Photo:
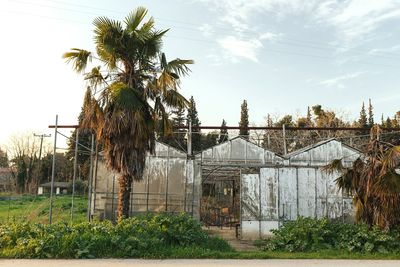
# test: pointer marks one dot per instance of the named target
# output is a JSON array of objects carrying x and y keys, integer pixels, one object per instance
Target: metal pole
[
  {"x": 90, "y": 180},
  {"x": 96, "y": 162},
  {"x": 74, "y": 177},
  {"x": 284, "y": 140},
  {"x": 53, "y": 172},
  {"x": 112, "y": 201},
  {"x": 189, "y": 143}
]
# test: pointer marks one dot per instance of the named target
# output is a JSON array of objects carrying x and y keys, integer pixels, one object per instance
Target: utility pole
[{"x": 41, "y": 136}]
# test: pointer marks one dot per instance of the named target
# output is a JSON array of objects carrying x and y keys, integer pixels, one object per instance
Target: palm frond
[
  {"x": 389, "y": 183},
  {"x": 95, "y": 77},
  {"x": 178, "y": 66},
  {"x": 125, "y": 98},
  {"x": 133, "y": 20},
  {"x": 79, "y": 58},
  {"x": 109, "y": 39},
  {"x": 334, "y": 166},
  {"x": 175, "y": 100},
  {"x": 391, "y": 159},
  {"x": 345, "y": 182}
]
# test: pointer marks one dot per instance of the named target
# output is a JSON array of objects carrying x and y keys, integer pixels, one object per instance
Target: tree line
[{"x": 316, "y": 116}]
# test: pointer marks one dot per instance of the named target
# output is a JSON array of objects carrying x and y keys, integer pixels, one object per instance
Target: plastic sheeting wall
[
  {"x": 171, "y": 183},
  {"x": 238, "y": 150},
  {"x": 280, "y": 194}
]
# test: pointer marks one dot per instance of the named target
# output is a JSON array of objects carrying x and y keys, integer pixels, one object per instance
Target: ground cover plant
[
  {"x": 147, "y": 236},
  {"x": 312, "y": 235},
  {"x": 35, "y": 209}
]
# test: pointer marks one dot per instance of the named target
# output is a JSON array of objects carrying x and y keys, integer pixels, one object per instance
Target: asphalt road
[{"x": 195, "y": 263}]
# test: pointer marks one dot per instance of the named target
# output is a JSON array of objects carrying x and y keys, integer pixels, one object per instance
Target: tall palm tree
[
  {"x": 130, "y": 93},
  {"x": 374, "y": 182}
]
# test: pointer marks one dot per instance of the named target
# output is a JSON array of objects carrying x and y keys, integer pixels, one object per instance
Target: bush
[
  {"x": 144, "y": 236},
  {"x": 306, "y": 234}
]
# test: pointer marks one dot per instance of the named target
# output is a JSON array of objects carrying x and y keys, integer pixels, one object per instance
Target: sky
[{"x": 279, "y": 55}]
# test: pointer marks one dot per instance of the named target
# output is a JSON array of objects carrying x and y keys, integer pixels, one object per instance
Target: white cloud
[
  {"x": 270, "y": 36},
  {"x": 392, "y": 49},
  {"x": 355, "y": 19},
  {"x": 338, "y": 81},
  {"x": 206, "y": 29},
  {"x": 351, "y": 20},
  {"x": 235, "y": 48}
]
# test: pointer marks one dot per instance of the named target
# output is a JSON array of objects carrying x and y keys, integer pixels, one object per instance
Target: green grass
[
  {"x": 199, "y": 253},
  {"x": 35, "y": 209}
]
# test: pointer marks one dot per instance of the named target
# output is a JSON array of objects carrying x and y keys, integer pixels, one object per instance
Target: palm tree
[
  {"x": 374, "y": 182},
  {"x": 130, "y": 93}
]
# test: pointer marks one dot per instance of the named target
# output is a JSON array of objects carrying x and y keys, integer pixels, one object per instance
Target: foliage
[
  {"x": 363, "y": 120},
  {"x": 244, "y": 120},
  {"x": 370, "y": 114},
  {"x": 84, "y": 142},
  {"x": 209, "y": 140},
  {"x": 175, "y": 138},
  {"x": 193, "y": 116},
  {"x": 3, "y": 159},
  {"x": 63, "y": 170},
  {"x": 374, "y": 183},
  {"x": 130, "y": 93},
  {"x": 144, "y": 236},
  {"x": 223, "y": 134},
  {"x": 81, "y": 187},
  {"x": 307, "y": 234}
]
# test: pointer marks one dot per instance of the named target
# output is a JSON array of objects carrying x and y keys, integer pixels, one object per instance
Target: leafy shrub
[
  {"x": 144, "y": 236},
  {"x": 306, "y": 234}
]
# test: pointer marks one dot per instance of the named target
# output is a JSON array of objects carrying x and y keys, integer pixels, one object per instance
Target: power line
[{"x": 291, "y": 42}]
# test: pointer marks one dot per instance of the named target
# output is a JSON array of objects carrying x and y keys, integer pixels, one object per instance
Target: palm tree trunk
[{"x": 125, "y": 188}]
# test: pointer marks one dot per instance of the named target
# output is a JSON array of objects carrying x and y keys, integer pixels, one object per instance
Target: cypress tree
[
  {"x": 309, "y": 116},
  {"x": 193, "y": 116},
  {"x": 223, "y": 134},
  {"x": 362, "y": 121},
  {"x": 85, "y": 135},
  {"x": 244, "y": 121},
  {"x": 370, "y": 114},
  {"x": 178, "y": 120},
  {"x": 388, "y": 123}
]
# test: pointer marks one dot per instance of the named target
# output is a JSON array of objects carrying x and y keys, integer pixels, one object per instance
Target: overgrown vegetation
[
  {"x": 311, "y": 235},
  {"x": 35, "y": 209},
  {"x": 374, "y": 183},
  {"x": 147, "y": 236}
]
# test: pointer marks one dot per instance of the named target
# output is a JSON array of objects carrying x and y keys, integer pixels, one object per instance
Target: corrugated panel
[
  {"x": 269, "y": 193},
  {"x": 306, "y": 192},
  {"x": 287, "y": 193},
  {"x": 333, "y": 190},
  {"x": 302, "y": 159},
  {"x": 321, "y": 194},
  {"x": 334, "y": 207},
  {"x": 333, "y": 150},
  {"x": 250, "y": 202}
]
